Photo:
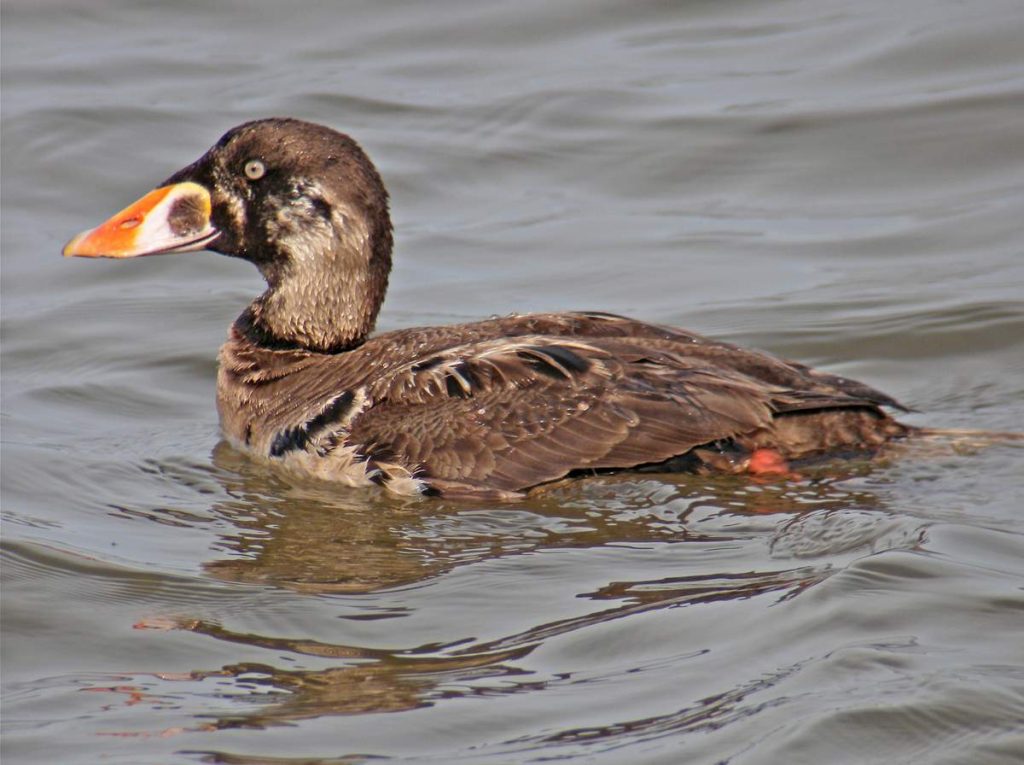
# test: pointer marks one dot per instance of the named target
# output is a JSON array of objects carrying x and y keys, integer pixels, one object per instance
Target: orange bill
[{"x": 169, "y": 219}]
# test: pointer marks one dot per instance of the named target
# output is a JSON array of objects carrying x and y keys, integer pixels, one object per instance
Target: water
[{"x": 839, "y": 183}]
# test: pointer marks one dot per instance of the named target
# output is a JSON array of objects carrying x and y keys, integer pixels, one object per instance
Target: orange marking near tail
[{"x": 767, "y": 462}]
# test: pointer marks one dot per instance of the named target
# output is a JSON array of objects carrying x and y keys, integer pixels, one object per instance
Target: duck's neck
[{"x": 323, "y": 299}]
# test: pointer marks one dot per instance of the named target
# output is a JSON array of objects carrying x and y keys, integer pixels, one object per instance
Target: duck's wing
[
  {"x": 759, "y": 365},
  {"x": 512, "y": 413}
]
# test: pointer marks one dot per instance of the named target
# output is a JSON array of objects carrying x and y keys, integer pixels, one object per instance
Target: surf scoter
[{"x": 484, "y": 409}]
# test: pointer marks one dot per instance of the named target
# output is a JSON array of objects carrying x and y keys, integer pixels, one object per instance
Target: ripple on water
[{"x": 837, "y": 183}]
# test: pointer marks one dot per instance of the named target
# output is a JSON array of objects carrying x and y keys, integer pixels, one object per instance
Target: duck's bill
[{"x": 169, "y": 219}]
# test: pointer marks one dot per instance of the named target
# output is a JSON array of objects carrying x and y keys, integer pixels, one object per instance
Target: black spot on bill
[{"x": 187, "y": 215}]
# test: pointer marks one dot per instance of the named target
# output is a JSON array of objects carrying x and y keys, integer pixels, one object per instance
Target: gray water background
[{"x": 841, "y": 183}]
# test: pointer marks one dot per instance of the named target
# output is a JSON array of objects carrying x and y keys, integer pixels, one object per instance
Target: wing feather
[
  {"x": 511, "y": 402},
  {"x": 527, "y": 410}
]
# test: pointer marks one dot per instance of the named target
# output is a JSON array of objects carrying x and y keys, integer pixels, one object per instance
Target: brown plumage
[{"x": 488, "y": 408}]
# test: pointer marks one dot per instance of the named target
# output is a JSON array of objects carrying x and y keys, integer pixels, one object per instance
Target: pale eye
[{"x": 254, "y": 169}]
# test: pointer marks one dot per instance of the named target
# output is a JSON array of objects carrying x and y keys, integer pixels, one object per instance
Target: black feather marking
[
  {"x": 454, "y": 387},
  {"x": 467, "y": 373},
  {"x": 298, "y": 437},
  {"x": 460, "y": 381},
  {"x": 567, "y": 358},
  {"x": 334, "y": 411},
  {"x": 555, "y": 361},
  {"x": 430, "y": 363},
  {"x": 289, "y": 439},
  {"x": 542, "y": 365}
]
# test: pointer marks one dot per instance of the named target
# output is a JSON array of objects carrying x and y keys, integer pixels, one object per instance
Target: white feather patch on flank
[
  {"x": 343, "y": 464},
  {"x": 400, "y": 480}
]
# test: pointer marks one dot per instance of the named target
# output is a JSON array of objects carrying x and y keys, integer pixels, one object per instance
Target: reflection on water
[
  {"x": 312, "y": 539},
  {"x": 377, "y": 681}
]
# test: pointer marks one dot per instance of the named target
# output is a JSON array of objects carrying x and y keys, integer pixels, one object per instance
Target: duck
[{"x": 485, "y": 409}]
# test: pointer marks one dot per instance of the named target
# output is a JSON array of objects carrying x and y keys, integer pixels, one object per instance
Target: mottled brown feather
[
  {"x": 487, "y": 408},
  {"x": 513, "y": 402}
]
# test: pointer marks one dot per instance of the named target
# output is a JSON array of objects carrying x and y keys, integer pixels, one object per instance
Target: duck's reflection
[
  {"x": 318, "y": 540},
  {"x": 371, "y": 681},
  {"x": 315, "y": 538}
]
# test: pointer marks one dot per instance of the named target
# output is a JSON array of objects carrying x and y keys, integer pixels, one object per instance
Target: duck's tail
[{"x": 969, "y": 438}]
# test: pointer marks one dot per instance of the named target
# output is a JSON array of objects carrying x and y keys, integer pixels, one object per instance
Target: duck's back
[{"x": 501, "y": 405}]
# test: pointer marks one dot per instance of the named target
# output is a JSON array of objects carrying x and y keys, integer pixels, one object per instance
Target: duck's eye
[{"x": 254, "y": 169}]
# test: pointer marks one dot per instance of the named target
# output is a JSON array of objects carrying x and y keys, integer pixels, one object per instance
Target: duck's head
[{"x": 300, "y": 201}]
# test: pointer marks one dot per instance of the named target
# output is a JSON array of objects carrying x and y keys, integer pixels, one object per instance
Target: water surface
[{"x": 839, "y": 183}]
